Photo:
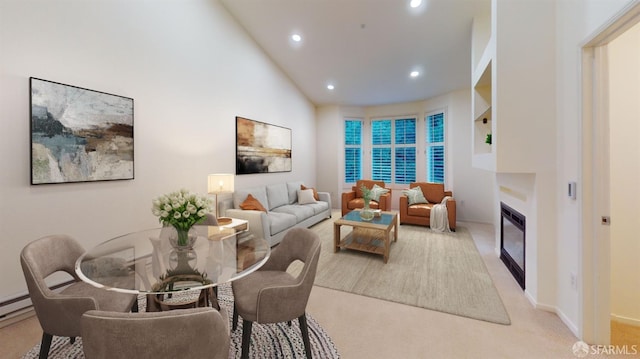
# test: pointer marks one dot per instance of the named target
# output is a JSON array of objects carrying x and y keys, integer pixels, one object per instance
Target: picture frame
[
  {"x": 78, "y": 134},
  {"x": 262, "y": 147}
]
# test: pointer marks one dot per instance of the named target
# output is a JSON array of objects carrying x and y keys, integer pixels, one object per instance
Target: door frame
[{"x": 595, "y": 263}]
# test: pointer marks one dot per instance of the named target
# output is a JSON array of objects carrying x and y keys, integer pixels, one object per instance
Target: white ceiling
[{"x": 366, "y": 48}]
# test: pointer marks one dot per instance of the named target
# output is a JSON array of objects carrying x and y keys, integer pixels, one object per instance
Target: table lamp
[{"x": 220, "y": 183}]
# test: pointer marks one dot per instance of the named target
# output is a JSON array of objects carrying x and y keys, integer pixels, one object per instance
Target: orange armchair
[
  {"x": 353, "y": 199},
  {"x": 420, "y": 213}
]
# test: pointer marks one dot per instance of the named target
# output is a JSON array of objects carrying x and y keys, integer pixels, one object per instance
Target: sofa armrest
[
  {"x": 258, "y": 221},
  {"x": 385, "y": 201},
  {"x": 451, "y": 213},
  {"x": 403, "y": 206},
  {"x": 346, "y": 197},
  {"x": 325, "y": 197}
]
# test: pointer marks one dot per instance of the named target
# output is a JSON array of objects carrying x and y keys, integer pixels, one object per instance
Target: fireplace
[{"x": 512, "y": 241}]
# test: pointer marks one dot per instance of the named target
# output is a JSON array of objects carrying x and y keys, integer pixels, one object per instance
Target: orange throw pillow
[
  {"x": 252, "y": 203},
  {"x": 315, "y": 193}
]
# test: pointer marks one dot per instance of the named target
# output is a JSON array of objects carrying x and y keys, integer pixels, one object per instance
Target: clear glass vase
[
  {"x": 181, "y": 238},
  {"x": 366, "y": 214}
]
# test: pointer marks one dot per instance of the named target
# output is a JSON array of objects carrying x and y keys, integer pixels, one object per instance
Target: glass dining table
[{"x": 144, "y": 262}]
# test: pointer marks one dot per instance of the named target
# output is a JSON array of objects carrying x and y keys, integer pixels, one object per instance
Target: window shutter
[
  {"x": 405, "y": 151},
  {"x": 436, "y": 164},
  {"x": 381, "y": 164},
  {"x": 352, "y": 150},
  {"x": 435, "y": 148}
]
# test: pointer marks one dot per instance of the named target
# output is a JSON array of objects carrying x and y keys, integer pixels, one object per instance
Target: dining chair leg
[
  {"x": 305, "y": 335},
  {"x": 45, "y": 345},
  {"x": 246, "y": 338},
  {"x": 234, "y": 324}
]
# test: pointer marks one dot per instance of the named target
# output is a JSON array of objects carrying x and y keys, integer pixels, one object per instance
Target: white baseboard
[
  {"x": 531, "y": 299},
  {"x": 571, "y": 325},
  {"x": 553, "y": 309}
]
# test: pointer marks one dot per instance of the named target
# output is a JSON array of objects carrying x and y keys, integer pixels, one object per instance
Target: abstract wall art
[
  {"x": 79, "y": 135},
  {"x": 261, "y": 147}
]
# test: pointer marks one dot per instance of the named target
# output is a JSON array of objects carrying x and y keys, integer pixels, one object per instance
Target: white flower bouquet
[{"x": 181, "y": 210}]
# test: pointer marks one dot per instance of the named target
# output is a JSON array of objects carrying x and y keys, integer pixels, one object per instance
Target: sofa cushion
[
  {"x": 292, "y": 188},
  {"x": 414, "y": 195},
  {"x": 299, "y": 211},
  {"x": 277, "y": 195},
  {"x": 252, "y": 203},
  {"x": 318, "y": 207},
  {"x": 279, "y": 221},
  {"x": 306, "y": 196},
  {"x": 259, "y": 193},
  {"x": 421, "y": 210}
]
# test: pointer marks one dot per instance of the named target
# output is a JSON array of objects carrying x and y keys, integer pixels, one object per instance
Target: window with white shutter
[
  {"x": 352, "y": 150},
  {"x": 435, "y": 147}
]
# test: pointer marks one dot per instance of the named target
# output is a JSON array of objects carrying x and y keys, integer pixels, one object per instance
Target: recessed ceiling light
[
  {"x": 296, "y": 37},
  {"x": 415, "y": 3},
  {"x": 414, "y": 73},
  {"x": 330, "y": 87}
]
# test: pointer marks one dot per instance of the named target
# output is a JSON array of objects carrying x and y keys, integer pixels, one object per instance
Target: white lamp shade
[{"x": 220, "y": 183}]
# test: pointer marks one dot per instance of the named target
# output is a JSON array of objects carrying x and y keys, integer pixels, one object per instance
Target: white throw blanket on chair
[{"x": 439, "y": 218}]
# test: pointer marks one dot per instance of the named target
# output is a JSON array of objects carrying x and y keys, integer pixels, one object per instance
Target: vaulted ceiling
[{"x": 366, "y": 49}]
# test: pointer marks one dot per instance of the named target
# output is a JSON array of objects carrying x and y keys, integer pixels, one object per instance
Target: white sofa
[{"x": 283, "y": 210}]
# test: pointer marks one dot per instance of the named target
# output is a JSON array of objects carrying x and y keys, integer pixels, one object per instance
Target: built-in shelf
[
  {"x": 482, "y": 105},
  {"x": 511, "y": 88},
  {"x": 481, "y": 128},
  {"x": 481, "y": 94}
]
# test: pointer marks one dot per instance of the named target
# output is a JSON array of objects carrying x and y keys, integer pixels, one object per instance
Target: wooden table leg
[
  {"x": 387, "y": 246},
  {"x": 395, "y": 231},
  {"x": 336, "y": 238}
]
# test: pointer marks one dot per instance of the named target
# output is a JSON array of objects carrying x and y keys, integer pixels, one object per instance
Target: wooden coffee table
[{"x": 367, "y": 236}]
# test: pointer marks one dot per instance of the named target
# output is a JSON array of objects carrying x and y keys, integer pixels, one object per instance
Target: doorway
[{"x": 601, "y": 177}]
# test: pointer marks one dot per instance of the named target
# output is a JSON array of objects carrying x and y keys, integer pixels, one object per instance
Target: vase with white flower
[
  {"x": 181, "y": 210},
  {"x": 366, "y": 213}
]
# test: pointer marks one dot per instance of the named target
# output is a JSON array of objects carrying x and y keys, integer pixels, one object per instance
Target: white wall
[
  {"x": 190, "y": 69},
  {"x": 624, "y": 127},
  {"x": 576, "y": 21},
  {"x": 328, "y": 153},
  {"x": 472, "y": 188}
]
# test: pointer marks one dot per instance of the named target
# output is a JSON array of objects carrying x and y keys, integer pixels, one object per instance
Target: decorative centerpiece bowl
[{"x": 181, "y": 210}]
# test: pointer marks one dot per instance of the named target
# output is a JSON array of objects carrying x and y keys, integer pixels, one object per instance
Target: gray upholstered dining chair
[
  {"x": 271, "y": 294},
  {"x": 188, "y": 333},
  {"x": 60, "y": 313}
]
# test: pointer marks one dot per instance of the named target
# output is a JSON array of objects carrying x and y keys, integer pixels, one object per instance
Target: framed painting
[
  {"x": 261, "y": 147},
  {"x": 79, "y": 135}
]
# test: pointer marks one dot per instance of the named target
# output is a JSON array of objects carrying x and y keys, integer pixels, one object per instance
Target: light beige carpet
[{"x": 438, "y": 271}]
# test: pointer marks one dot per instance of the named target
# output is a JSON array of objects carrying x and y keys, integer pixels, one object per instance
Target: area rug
[
  {"x": 267, "y": 340},
  {"x": 433, "y": 270}
]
